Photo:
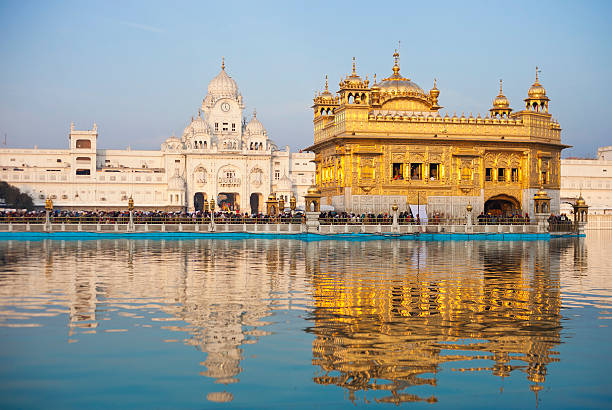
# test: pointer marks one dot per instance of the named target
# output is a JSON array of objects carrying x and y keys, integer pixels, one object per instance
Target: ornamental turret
[
  {"x": 501, "y": 105},
  {"x": 536, "y": 97},
  {"x": 325, "y": 103},
  {"x": 354, "y": 90}
]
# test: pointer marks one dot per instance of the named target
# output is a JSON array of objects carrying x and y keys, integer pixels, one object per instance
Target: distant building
[
  {"x": 219, "y": 156},
  {"x": 590, "y": 177},
  {"x": 386, "y": 142}
]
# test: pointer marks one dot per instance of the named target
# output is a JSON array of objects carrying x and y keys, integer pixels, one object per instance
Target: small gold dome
[
  {"x": 326, "y": 95},
  {"x": 501, "y": 101},
  {"x": 541, "y": 194},
  {"x": 271, "y": 197},
  {"x": 580, "y": 201},
  {"x": 313, "y": 190},
  {"x": 394, "y": 207},
  {"x": 536, "y": 90}
]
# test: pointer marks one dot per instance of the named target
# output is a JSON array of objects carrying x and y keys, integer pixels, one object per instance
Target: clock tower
[{"x": 223, "y": 106}]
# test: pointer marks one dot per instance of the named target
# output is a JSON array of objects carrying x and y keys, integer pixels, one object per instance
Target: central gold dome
[{"x": 396, "y": 84}]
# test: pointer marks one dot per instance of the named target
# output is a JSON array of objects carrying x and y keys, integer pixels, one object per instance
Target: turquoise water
[{"x": 260, "y": 323}]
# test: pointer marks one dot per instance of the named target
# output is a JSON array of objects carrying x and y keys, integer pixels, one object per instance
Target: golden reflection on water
[
  {"x": 421, "y": 305},
  {"x": 385, "y": 315}
]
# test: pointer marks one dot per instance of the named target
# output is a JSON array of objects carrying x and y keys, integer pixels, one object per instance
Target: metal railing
[
  {"x": 488, "y": 220},
  {"x": 567, "y": 226}
]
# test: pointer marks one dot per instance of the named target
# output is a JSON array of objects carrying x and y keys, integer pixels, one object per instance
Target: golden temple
[{"x": 387, "y": 143}]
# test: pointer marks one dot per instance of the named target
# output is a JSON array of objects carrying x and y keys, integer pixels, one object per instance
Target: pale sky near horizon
[{"x": 141, "y": 69}]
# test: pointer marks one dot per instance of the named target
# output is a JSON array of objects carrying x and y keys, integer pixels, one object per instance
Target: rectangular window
[
  {"x": 398, "y": 170},
  {"x": 83, "y": 144},
  {"x": 177, "y": 161},
  {"x": 225, "y": 126},
  {"x": 488, "y": 174},
  {"x": 277, "y": 174},
  {"x": 416, "y": 171},
  {"x": 501, "y": 174},
  {"x": 216, "y": 126},
  {"x": 233, "y": 127},
  {"x": 83, "y": 172},
  {"x": 514, "y": 175},
  {"x": 434, "y": 171},
  {"x": 544, "y": 177},
  {"x": 59, "y": 160}
]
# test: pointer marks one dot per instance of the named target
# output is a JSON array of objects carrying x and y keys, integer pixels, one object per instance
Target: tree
[{"x": 14, "y": 198}]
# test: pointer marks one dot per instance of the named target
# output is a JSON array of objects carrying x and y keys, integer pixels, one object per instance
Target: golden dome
[
  {"x": 580, "y": 201},
  {"x": 353, "y": 80},
  {"x": 326, "y": 95},
  {"x": 271, "y": 197},
  {"x": 313, "y": 190},
  {"x": 541, "y": 194},
  {"x": 501, "y": 101},
  {"x": 536, "y": 90},
  {"x": 396, "y": 84}
]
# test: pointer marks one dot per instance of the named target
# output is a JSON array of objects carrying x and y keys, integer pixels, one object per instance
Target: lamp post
[
  {"x": 130, "y": 226},
  {"x": 292, "y": 202},
  {"x": 395, "y": 226},
  {"x": 48, "y": 210},
  {"x": 211, "y": 227}
]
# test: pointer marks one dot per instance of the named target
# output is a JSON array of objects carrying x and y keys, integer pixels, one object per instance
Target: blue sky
[{"x": 141, "y": 69}]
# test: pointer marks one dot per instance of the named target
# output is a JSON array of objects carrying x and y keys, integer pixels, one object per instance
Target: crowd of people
[
  {"x": 111, "y": 217},
  {"x": 403, "y": 218},
  {"x": 325, "y": 218},
  {"x": 492, "y": 219}
]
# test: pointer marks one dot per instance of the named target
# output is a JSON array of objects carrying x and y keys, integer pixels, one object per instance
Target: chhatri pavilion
[{"x": 387, "y": 143}]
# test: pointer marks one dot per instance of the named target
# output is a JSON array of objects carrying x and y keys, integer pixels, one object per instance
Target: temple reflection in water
[
  {"x": 217, "y": 292},
  {"x": 495, "y": 304},
  {"x": 384, "y": 315}
]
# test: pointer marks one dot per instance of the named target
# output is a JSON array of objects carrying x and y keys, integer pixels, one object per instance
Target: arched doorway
[
  {"x": 198, "y": 201},
  {"x": 502, "y": 205},
  {"x": 228, "y": 201},
  {"x": 255, "y": 202}
]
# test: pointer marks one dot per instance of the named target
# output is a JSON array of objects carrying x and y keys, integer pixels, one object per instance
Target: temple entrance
[
  {"x": 502, "y": 205},
  {"x": 255, "y": 201},
  {"x": 228, "y": 201},
  {"x": 198, "y": 201}
]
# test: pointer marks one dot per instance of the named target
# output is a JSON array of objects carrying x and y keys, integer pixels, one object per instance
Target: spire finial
[
  {"x": 326, "y": 82},
  {"x": 254, "y": 112},
  {"x": 537, "y": 71},
  {"x": 354, "y": 73},
  {"x": 396, "y": 66},
  {"x": 435, "y": 80},
  {"x": 222, "y": 63},
  {"x": 500, "y": 87},
  {"x": 374, "y": 78}
]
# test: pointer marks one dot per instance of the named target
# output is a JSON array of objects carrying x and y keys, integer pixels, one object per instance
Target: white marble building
[
  {"x": 219, "y": 156},
  {"x": 590, "y": 177}
]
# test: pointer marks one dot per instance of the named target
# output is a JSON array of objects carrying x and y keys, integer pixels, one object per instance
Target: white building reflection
[{"x": 217, "y": 293}]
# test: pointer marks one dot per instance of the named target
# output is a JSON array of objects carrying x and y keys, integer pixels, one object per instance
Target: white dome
[
  {"x": 199, "y": 126},
  {"x": 223, "y": 85},
  {"x": 254, "y": 127}
]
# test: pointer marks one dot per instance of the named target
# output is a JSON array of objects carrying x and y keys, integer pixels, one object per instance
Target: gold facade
[{"x": 390, "y": 140}]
